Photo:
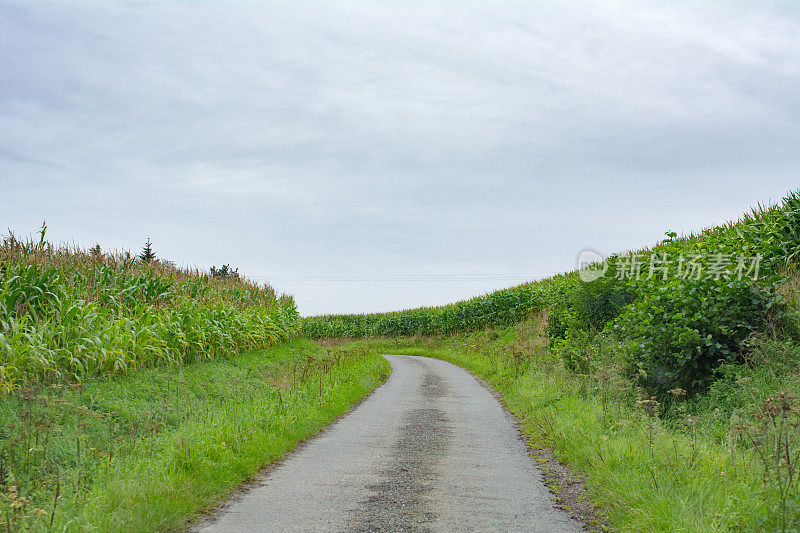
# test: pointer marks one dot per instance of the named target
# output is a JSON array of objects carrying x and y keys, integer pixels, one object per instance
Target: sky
[{"x": 372, "y": 156}]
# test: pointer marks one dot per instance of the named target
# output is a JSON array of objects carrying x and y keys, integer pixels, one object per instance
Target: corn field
[
  {"x": 499, "y": 308},
  {"x": 66, "y": 313}
]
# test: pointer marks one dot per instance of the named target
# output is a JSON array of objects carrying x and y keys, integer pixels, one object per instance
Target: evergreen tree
[{"x": 147, "y": 254}]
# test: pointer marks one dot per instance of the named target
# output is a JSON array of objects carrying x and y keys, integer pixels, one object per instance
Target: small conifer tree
[{"x": 147, "y": 254}]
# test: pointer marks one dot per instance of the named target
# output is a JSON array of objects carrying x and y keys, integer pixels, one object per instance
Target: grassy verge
[
  {"x": 149, "y": 450},
  {"x": 693, "y": 468}
]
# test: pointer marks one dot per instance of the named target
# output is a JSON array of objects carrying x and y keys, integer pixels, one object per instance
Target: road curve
[{"x": 430, "y": 450}]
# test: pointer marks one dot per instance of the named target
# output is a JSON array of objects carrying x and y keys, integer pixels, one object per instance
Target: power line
[{"x": 508, "y": 276}]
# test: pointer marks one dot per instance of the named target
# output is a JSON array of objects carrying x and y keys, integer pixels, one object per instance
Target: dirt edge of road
[{"x": 567, "y": 487}]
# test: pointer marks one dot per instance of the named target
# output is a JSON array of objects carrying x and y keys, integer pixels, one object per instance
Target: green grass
[
  {"x": 687, "y": 470},
  {"x": 146, "y": 451}
]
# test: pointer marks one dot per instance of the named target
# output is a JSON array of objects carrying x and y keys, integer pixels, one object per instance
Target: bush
[
  {"x": 558, "y": 322},
  {"x": 576, "y": 349},
  {"x": 599, "y": 301},
  {"x": 225, "y": 271},
  {"x": 589, "y": 306},
  {"x": 681, "y": 330}
]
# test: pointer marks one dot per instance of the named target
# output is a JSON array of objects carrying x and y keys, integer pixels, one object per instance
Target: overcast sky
[{"x": 383, "y": 155}]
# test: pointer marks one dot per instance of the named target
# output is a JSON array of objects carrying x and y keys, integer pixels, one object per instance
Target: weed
[{"x": 774, "y": 434}]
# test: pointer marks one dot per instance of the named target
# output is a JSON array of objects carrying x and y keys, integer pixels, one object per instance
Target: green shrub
[
  {"x": 681, "y": 330},
  {"x": 588, "y": 306},
  {"x": 599, "y": 301},
  {"x": 559, "y": 319},
  {"x": 577, "y": 350}
]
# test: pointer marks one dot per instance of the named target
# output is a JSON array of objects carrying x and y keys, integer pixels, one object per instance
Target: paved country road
[{"x": 430, "y": 450}]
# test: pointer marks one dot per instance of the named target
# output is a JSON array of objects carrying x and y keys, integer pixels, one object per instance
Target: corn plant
[{"x": 66, "y": 313}]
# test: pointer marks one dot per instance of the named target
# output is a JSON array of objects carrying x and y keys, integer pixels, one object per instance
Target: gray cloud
[{"x": 310, "y": 138}]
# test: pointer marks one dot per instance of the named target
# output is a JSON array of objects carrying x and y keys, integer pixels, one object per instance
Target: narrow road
[{"x": 430, "y": 450}]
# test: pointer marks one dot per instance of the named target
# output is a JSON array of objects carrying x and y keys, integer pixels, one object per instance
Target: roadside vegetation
[
  {"x": 134, "y": 394},
  {"x": 149, "y": 450},
  {"x": 711, "y": 463},
  {"x": 668, "y": 377}
]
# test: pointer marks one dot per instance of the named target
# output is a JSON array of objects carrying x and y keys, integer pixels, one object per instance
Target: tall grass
[
  {"x": 147, "y": 451},
  {"x": 66, "y": 313}
]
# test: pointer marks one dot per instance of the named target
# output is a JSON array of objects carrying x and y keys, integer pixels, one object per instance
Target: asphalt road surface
[{"x": 430, "y": 450}]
